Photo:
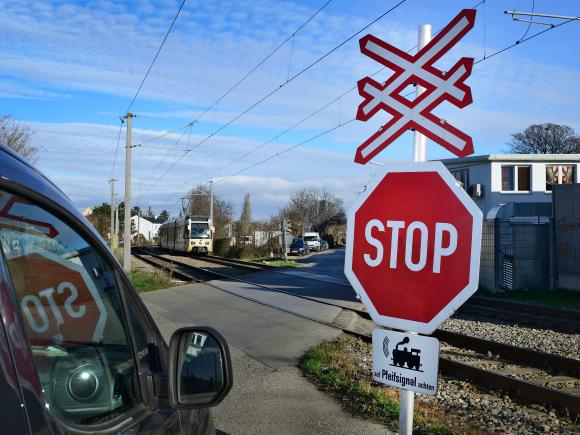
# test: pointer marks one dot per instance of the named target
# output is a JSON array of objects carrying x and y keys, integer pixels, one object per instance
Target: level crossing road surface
[
  {"x": 270, "y": 395},
  {"x": 330, "y": 262}
]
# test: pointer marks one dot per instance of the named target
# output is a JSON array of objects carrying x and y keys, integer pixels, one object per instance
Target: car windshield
[
  {"x": 297, "y": 243},
  {"x": 199, "y": 230},
  {"x": 310, "y": 238}
]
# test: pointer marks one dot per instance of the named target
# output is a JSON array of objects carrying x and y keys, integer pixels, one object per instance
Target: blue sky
[{"x": 69, "y": 69}]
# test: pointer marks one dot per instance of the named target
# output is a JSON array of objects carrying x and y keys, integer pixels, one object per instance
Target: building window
[
  {"x": 463, "y": 177},
  {"x": 515, "y": 178},
  {"x": 507, "y": 178},
  {"x": 559, "y": 174}
]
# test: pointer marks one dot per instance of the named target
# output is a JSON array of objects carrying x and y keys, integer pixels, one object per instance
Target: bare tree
[
  {"x": 296, "y": 212},
  {"x": 325, "y": 211},
  {"x": 17, "y": 136},
  {"x": 545, "y": 139},
  {"x": 198, "y": 204},
  {"x": 312, "y": 209}
]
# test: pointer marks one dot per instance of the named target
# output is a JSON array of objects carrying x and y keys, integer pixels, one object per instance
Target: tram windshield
[{"x": 199, "y": 230}]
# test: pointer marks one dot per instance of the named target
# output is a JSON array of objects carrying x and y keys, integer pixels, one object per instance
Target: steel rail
[{"x": 565, "y": 320}]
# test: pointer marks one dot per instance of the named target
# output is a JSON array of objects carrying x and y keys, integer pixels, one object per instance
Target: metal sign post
[
  {"x": 407, "y": 398},
  {"x": 416, "y": 261}
]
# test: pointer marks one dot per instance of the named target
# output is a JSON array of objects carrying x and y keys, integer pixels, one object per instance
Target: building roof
[{"x": 514, "y": 158}]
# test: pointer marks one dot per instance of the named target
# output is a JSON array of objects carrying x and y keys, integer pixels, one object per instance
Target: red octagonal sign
[{"x": 413, "y": 246}]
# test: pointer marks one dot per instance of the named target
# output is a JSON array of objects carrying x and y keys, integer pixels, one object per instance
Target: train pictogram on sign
[{"x": 418, "y": 69}]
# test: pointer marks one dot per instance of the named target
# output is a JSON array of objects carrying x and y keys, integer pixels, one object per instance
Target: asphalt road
[{"x": 270, "y": 395}]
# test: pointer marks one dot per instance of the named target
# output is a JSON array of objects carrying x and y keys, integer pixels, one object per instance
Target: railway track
[
  {"x": 526, "y": 374},
  {"x": 558, "y": 319}
]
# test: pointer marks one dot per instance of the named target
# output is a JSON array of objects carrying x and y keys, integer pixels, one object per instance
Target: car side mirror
[{"x": 200, "y": 368}]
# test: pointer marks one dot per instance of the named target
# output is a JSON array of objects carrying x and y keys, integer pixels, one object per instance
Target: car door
[{"x": 90, "y": 359}]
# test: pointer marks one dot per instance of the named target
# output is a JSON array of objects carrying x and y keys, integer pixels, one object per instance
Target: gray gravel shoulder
[
  {"x": 478, "y": 411},
  {"x": 542, "y": 340}
]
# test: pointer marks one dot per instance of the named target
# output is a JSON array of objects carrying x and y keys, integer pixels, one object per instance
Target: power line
[
  {"x": 521, "y": 41},
  {"x": 167, "y": 133},
  {"x": 284, "y": 151},
  {"x": 207, "y": 175},
  {"x": 298, "y": 74},
  {"x": 348, "y": 122},
  {"x": 117, "y": 148},
  {"x": 167, "y": 154},
  {"x": 187, "y": 150},
  {"x": 156, "y": 55},
  {"x": 260, "y": 63},
  {"x": 530, "y": 23},
  {"x": 295, "y": 76}
]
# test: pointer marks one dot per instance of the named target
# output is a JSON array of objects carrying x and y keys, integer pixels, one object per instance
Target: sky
[{"x": 69, "y": 70}]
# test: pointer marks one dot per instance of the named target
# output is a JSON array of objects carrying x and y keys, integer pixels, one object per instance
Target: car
[
  {"x": 79, "y": 352},
  {"x": 323, "y": 245},
  {"x": 299, "y": 247}
]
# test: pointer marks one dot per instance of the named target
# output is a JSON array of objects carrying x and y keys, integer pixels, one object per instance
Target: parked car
[
  {"x": 323, "y": 245},
  {"x": 299, "y": 247},
  {"x": 79, "y": 352}
]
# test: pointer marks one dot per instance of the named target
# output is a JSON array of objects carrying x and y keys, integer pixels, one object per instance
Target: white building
[
  {"x": 147, "y": 226},
  {"x": 496, "y": 179}
]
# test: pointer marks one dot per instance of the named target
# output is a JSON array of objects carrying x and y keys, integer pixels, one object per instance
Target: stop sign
[
  {"x": 58, "y": 299},
  {"x": 413, "y": 246}
]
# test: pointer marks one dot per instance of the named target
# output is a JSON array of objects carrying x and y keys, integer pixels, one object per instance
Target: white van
[{"x": 313, "y": 240}]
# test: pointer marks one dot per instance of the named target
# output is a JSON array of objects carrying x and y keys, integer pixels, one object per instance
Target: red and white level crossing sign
[
  {"x": 413, "y": 246},
  {"x": 418, "y": 69},
  {"x": 60, "y": 302}
]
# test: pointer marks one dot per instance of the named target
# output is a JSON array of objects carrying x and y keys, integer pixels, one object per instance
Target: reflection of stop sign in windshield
[
  {"x": 413, "y": 246},
  {"x": 60, "y": 303}
]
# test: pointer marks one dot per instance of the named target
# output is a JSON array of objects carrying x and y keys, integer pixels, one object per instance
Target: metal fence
[{"x": 517, "y": 253}]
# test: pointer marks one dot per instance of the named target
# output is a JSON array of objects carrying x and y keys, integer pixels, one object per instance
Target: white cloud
[{"x": 79, "y": 158}]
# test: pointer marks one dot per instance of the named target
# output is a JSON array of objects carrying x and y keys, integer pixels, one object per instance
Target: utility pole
[
  {"x": 112, "y": 241},
  {"x": 211, "y": 201},
  {"x": 116, "y": 236},
  {"x": 127, "y": 220},
  {"x": 284, "y": 240}
]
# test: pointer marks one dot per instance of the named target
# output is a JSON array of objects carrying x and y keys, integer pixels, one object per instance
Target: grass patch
[
  {"x": 278, "y": 262},
  {"x": 550, "y": 298},
  {"x": 334, "y": 368},
  {"x": 149, "y": 281}
]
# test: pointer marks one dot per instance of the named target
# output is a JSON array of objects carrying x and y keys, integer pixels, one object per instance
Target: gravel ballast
[
  {"x": 470, "y": 409},
  {"x": 542, "y": 340}
]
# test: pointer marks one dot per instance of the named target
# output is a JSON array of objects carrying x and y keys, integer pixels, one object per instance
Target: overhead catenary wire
[
  {"x": 160, "y": 162},
  {"x": 276, "y": 137},
  {"x": 295, "y": 76},
  {"x": 541, "y": 32},
  {"x": 167, "y": 133},
  {"x": 530, "y": 23},
  {"x": 340, "y": 126},
  {"x": 156, "y": 56},
  {"x": 116, "y": 149},
  {"x": 284, "y": 151},
  {"x": 292, "y": 78},
  {"x": 264, "y": 60}
]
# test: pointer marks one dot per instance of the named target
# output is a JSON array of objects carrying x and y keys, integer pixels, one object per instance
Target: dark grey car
[
  {"x": 299, "y": 247},
  {"x": 79, "y": 352}
]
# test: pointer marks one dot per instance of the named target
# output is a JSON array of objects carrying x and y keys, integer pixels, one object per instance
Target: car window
[{"x": 72, "y": 313}]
